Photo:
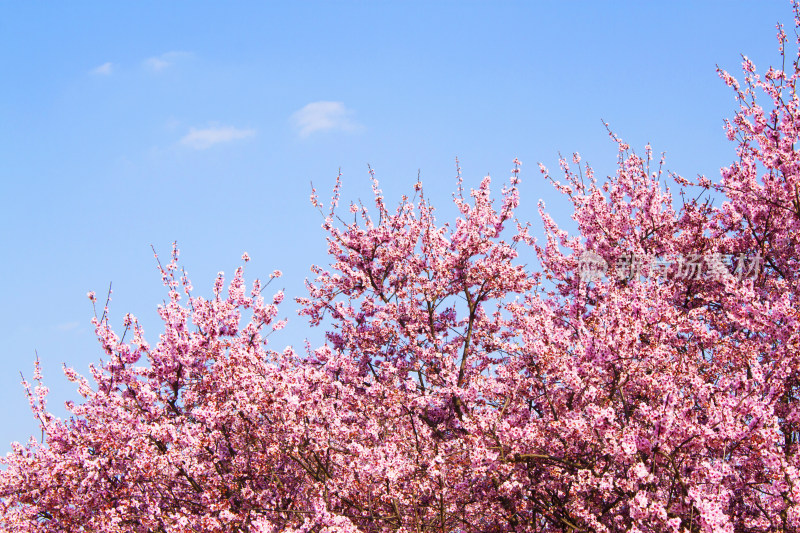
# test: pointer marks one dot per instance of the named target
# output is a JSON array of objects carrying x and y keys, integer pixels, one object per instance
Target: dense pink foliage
[{"x": 458, "y": 389}]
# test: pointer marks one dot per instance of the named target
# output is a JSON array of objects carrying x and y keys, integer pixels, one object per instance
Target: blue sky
[{"x": 129, "y": 124}]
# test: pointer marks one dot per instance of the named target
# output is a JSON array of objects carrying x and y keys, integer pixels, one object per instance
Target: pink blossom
[{"x": 460, "y": 387}]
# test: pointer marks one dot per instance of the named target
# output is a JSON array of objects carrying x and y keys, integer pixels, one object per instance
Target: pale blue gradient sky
[{"x": 129, "y": 124}]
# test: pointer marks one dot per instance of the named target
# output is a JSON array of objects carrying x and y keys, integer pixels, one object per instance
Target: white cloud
[
  {"x": 321, "y": 116},
  {"x": 104, "y": 70},
  {"x": 200, "y": 139},
  {"x": 172, "y": 124},
  {"x": 68, "y": 326},
  {"x": 159, "y": 63},
  {"x": 156, "y": 63}
]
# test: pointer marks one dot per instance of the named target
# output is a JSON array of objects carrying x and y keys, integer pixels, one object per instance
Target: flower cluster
[{"x": 460, "y": 390}]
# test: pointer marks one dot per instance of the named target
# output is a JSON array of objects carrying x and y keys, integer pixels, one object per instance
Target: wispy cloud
[
  {"x": 159, "y": 63},
  {"x": 322, "y": 116},
  {"x": 68, "y": 326},
  {"x": 104, "y": 70},
  {"x": 200, "y": 139}
]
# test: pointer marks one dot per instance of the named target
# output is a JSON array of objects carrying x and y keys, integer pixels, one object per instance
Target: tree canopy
[{"x": 644, "y": 378}]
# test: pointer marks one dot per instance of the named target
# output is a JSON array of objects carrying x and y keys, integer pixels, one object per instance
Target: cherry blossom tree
[{"x": 643, "y": 378}]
